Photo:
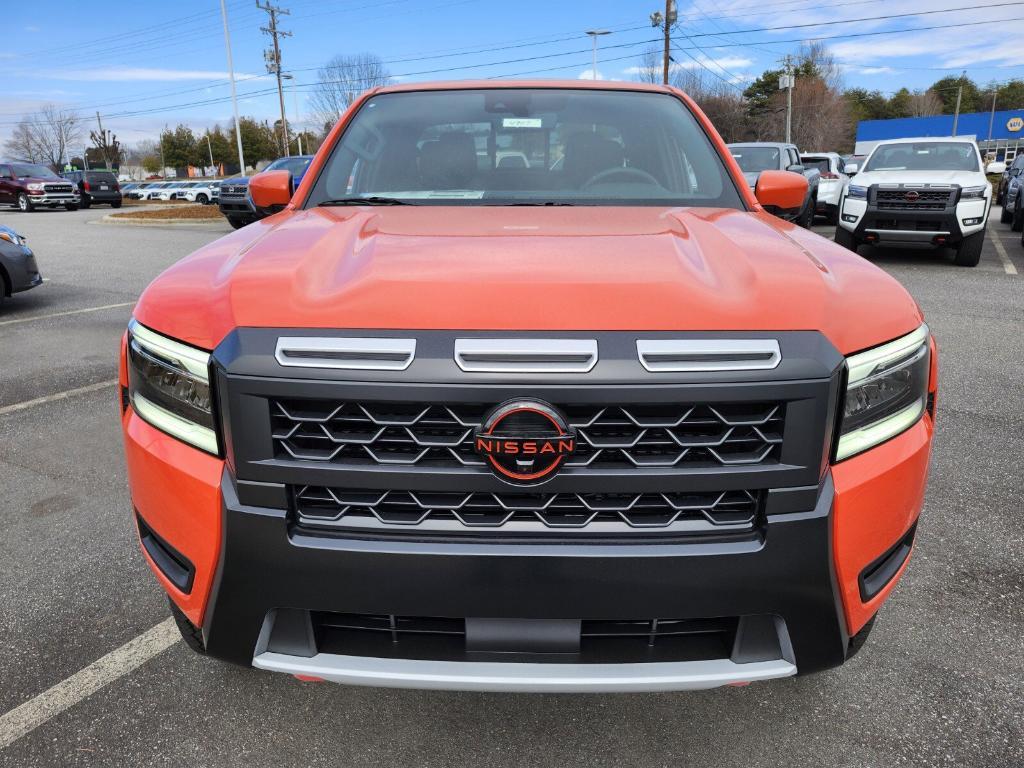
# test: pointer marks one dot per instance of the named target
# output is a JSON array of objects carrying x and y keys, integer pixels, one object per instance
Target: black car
[
  {"x": 235, "y": 203},
  {"x": 18, "y": 270},
  {"x": 96, "y": 187}
]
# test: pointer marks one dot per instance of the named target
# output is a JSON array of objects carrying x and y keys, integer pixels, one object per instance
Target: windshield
[
  {"x": 821, "y": 163},
  {"x": 101, "y": 177},
  {"x": 756, "y": 159},
  {"x": 29, "y": 171},
  {"x": 924, "y": 156},
  {"x": 526, "y": 147},
  {"x": 294, "y": 165}
]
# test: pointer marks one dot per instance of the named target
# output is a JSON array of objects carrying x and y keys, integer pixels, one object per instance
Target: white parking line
[
  {"x": 17, "y": 320},
  {"x": 1004, "y": 256},
  {"x": 57, "y": 396},
  {"x": 26, "y": 717}
]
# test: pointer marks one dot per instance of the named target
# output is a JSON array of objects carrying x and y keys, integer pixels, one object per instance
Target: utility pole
[
  {"x": 273, "y": 59},
  {"x": 787, "y": 81},
  {"x": 594, "y": 34},
  {"x": 209, "y": 146},
  {"x": 295, "y": 98},
  {"x": 234, "y": 97},
  {"x": 959, "y": 93},
  {"x": 666, "y": 22},
  {"x": 992, "y": 115},
  {"x": 163, "y": 164}
]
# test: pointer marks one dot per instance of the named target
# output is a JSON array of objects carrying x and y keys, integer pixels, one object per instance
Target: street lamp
[{"x": 594, "y": 34}]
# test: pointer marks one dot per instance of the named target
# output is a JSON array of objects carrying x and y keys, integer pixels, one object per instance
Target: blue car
[{"x": 235, "y": 202}]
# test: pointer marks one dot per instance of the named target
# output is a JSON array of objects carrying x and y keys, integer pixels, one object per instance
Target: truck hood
[
  {"x": 527, "y": 269},
  {"x": 962, "y": 178}
]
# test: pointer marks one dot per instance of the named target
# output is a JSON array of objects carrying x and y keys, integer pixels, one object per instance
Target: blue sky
[{"x": 144, "y": 64}]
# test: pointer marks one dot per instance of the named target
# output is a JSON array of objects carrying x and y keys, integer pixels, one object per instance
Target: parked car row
[
  {"x": 95, "y": 187},
  {"x": 205, "y": 192}
]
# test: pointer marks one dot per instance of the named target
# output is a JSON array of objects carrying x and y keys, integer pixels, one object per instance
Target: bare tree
[
  {"x": 22, "y": 143},
  {"x": 52, "y": 130},
  {"x": 341, "y": 80},
  {"x": 924, "y": 104}
]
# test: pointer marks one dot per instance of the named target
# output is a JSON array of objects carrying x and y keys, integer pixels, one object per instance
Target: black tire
[
  {"x": 807, "y": 219},
  {"x": 116, "y": 204},
  {"x": 832, "y": 215},
  {"x": 85, "y": 202},
  {"x": 202, "y": 199},
  {"x": 190, "y": 633},
  {"x": 1005, "y": 216},
  {"x": 71, "y": 207},
  {"x": 858, "y": 640},
  {"x": 1017, "y": 216},
  {"x": 237, "y": 222},
  {"x": 968, "y": 252},
  {"x": 847, "y": 239},
  {"x": 24, "y": 204}
]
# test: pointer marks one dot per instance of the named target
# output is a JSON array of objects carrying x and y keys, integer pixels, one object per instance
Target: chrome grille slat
[{"x": 667, "y": 435}]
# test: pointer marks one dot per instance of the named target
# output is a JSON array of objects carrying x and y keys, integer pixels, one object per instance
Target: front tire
[
  {"x": 968, "y": 252},
  {"x": 24, "y": 204},
  {"x": 847, "y": 239},
  {"x": 237, "y": 222},
  {"x": 1017, "y": 215},
  {"x": 70, "y": 207},
  {"x": 808, "y": 217},
  {"x": 190, "y": 633},
  {"x": 202, "y": 199},
  {"x": 116, "y": 204},
  {"x": 1006, "y": 215}
]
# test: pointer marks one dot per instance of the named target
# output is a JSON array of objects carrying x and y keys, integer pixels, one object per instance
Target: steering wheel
[{"x": 637, "y": 174}]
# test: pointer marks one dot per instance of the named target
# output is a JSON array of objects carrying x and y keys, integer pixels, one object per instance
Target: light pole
[
  {"x": 295, "y": 94},
  {"x": 234, "y": 97},
  {"x": 594, "y": 34}
]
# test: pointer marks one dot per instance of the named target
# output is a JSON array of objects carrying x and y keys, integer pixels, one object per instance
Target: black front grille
[
  {"x": 661, "y": 435},
  {"x": 600, "y": 641},
  {"x": 718, "y": 512},
  {"x": 918, "y": 200},
  {"x": 58, "y": 188}
]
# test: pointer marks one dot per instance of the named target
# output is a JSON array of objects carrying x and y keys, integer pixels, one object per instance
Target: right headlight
[
  {"x": 857, "y": 192},
  {"x": 169, "y": 386},
  {"x": 886, "y": 392}
]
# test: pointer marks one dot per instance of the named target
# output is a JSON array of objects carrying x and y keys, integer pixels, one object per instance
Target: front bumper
[
  {"x": 20, "y": 265},
  {"x": 870, "y": 222},
  {"x": 53, "y": 199},
  {"x": 236, "y": 206}
]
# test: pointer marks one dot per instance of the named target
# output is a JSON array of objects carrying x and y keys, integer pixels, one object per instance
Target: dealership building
[{"x": 1000, "y": 134}]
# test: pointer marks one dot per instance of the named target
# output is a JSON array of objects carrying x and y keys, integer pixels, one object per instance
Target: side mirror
[
  {"x": 781, "y": 191},
  {"x": 850, "y": 169},
  {"x": 1015, "y": 171},
  {"x": 795, "y": 168},
  {"x": 271, "y": 190}
]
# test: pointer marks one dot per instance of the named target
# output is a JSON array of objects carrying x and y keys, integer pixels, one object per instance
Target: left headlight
[
  {"x": 36, "y": 186},
  {"x": 886, "y": 392},
  {"x": 972, "y": 193},
  {"x": 11, "y": 237},
  {"x": 169, "y": 386}
]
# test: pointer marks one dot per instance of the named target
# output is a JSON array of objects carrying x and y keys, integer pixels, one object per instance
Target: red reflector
[
  {"x": 739, "y": 684},
  {"x": 85, "y": 185},
  {"x": 308, "y": 678},
  {"x": 827, "y": 175}
]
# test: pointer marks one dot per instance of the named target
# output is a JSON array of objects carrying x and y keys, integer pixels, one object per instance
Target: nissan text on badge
[{"x": 523, "y": 389}]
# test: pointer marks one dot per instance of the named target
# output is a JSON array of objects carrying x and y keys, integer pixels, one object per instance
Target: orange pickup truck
[{"x": 524, "y": 389}]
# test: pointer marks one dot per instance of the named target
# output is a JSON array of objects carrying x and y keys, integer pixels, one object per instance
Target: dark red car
[{"x": 29, "y": 185}]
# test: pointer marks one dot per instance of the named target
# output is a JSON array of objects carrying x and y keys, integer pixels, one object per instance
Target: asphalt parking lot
[{"x": 939, "y": 683}]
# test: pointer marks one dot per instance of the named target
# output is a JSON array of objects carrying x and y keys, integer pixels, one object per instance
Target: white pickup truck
[{"x": 928, "y": 191}]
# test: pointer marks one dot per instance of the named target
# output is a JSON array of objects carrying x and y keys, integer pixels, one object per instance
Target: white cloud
[
  {"x": 142, "y": 74},
  {"x": 875, "y": 70},
  {"x": 589, "y": 74}
]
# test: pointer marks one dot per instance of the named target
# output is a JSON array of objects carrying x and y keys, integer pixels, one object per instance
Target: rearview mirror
[
  {"x": 781, "y": 191},
  {"x": 271, "y": 190}
]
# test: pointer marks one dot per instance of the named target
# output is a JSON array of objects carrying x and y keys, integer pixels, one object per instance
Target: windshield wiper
[{"x": 372, "y": 200}]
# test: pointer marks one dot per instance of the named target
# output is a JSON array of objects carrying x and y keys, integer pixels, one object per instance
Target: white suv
[
  {"x": 204, "y": 192},
  {"x": 832, "y": 182},
  {"x": 929, "y": 191}
]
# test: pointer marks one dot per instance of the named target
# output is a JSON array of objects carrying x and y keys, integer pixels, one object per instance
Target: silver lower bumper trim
[
  {"x": 907, "y": 235},
  {"x": 524, "y": 678}
]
